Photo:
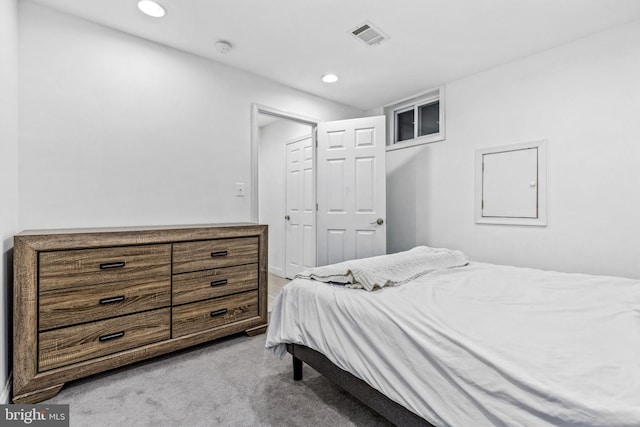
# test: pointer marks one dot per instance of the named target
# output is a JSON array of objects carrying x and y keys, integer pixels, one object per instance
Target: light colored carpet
[
  {"x": 275, "y": 284},
  {"x": 231, "y": 382}
]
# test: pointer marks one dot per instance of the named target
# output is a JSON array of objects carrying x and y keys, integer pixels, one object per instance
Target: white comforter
[
  {"x": 387, "y": 270},
  {"x": 481, "y": 345}
]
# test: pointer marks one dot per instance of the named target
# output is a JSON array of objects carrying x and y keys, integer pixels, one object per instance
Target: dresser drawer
[
  {"x": 200, "y": 285},
  {"x": 80, "y": 267},
  {"x": 74, "y": 344},
  {"x": 208, "y": 254},
  {"x": 69, "y": 306},
  {"x": 200, "y": 316}
]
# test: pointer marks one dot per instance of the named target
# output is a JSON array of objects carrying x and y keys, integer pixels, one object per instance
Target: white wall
[
  {"x": 401, "y": 196},
  {"x": 8, "y": 176},
  {"x": 117, "y": 130},
  {"x": 401, "y": 200},
  {"x": 272, "y": 181},
  {"x": 584, "y": 98}
]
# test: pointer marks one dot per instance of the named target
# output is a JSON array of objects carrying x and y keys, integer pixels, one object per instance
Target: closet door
[{"x": 300, "y": 242}]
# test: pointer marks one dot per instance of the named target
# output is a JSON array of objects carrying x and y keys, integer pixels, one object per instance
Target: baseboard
[
  {"x": 6, "y": 391},
  {"x": 276, "y": 270}
]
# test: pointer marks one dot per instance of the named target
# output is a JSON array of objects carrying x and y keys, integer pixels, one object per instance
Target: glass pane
[
  {"x": 429, "y": 118},
  {"x": 404, "y": 125}
]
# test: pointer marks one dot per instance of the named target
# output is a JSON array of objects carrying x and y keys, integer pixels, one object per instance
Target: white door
[
  {"x": 351, "y": 189},
  {"x": 300, "y": 242}
]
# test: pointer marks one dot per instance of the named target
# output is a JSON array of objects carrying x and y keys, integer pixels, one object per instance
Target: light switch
[{"x": 240, "y": 189}]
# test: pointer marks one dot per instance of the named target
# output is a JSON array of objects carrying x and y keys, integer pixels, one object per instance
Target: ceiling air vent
[{"x": 369, "y": 34}]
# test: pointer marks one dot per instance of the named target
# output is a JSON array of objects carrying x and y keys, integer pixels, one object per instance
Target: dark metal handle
[
  {"x": 111, "y": 336},
  {"x": 108, "y": 265},
  {"x": 219, "y": 282},
  {"x": 218, "y": 312},
  {"x": 219, "y": 253},
  {"x": 112, "y": 299}
]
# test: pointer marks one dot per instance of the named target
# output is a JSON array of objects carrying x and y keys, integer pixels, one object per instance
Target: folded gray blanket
[{"x": 387, "y": 270}]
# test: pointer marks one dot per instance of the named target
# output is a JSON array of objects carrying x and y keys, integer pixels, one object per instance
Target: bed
[{"x": 473, "y": 345}]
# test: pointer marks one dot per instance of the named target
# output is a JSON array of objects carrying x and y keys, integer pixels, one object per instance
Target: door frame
[{"x": 256, "y": 110}]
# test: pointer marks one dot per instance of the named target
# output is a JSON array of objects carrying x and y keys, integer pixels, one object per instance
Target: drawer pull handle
[
  {"x": 111, "y": 336},
  {"x": 112, "y": 299},
  {"x": 219, "y": 282},
  {"x": 219, "y": 253},
  {"x": 218, "y": 312},
  {"x": 108, "y": 265}
]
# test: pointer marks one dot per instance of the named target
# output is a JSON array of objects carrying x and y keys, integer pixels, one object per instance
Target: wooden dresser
[{"x": 86, "y": 301}]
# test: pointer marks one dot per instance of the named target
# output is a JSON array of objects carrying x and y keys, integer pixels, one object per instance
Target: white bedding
[
  {"x": 481, "y": 345},
  {"x": 387, "y": 270}
]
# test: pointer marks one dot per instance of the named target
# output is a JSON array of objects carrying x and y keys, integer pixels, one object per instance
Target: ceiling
[{"x": 295, "y": 42}]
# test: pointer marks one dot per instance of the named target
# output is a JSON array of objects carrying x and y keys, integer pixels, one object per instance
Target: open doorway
[
  {"x": 349, "y": 179},
  {"x": 286, "y": 192}
]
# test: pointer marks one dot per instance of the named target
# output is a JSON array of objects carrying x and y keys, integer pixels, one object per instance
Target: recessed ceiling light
[
  {"x": 151, "y": 8},
  {"x": 329, "y": 78}
]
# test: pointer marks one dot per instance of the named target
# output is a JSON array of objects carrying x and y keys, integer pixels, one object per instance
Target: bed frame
[{"x": 392, "y": 411}]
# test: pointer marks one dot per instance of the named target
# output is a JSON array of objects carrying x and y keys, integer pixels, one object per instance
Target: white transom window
[{"x": 417, "y": 120}]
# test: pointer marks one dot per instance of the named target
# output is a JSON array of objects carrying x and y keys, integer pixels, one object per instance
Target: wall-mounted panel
[{"x": 511, "y": 184}]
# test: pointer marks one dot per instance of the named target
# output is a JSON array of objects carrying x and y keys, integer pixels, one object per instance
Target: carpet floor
[{"x": 231, "y": 382}]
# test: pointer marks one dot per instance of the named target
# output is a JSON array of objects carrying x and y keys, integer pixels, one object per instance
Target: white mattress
[{"x": 481, "y": 345}]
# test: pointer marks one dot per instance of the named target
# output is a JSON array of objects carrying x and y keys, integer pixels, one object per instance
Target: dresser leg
[
  {"x": 257, "y": 330},
  {"x": 39, "y": 395}
]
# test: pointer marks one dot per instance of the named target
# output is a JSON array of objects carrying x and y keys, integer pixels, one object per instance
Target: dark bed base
[{"x": 392, "y": 411}]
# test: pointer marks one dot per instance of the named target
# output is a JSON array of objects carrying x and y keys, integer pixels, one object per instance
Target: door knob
[
  {"x": 287, "y": 217},
  {"x": 378, "y": 221}
]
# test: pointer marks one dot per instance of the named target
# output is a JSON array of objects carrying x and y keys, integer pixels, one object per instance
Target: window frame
[
  {"x": 395, "y": 122},
  {"x": 414, "y": 103}
]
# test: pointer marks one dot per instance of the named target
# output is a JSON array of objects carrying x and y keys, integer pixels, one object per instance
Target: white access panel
[{"x": 511, "y": 184}]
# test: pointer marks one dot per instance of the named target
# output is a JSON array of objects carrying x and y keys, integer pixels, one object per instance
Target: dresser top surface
[
  {"x": 79, "y": 238},
  {"x": 129, "y": 229}
]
